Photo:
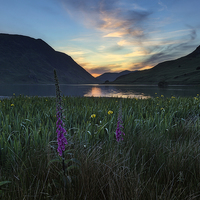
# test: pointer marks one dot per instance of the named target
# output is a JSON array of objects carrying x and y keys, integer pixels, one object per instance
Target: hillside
[
  {"x": 182, "y": 71},
  {"x": 111, "y": 76},
  {"x": 24, "y": 60}
]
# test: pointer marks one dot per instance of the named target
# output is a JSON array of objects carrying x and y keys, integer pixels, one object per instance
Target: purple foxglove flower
[
  {"x": 119, "y": 130},
  {"x": 62, "y": 141}
]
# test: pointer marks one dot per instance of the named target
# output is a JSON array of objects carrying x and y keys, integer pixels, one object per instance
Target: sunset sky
[{"x": 108, "y": 35}]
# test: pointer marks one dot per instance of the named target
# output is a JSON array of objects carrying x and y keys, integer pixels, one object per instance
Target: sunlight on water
[{"x": 98, "y": 92}]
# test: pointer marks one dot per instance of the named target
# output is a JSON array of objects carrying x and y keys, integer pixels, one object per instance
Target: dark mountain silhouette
[
  {"x": 195, "y": 53},
  {"x": 111, "y": 76},
  {"x": 24, "y": 60},
  {"x": 182, "y": 71}
]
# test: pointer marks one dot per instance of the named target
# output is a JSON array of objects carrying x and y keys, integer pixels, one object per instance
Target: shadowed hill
[
  {"x": 182, "y": 71},
  {"x": 24, "y": 60},
  {"x": 111, "y": 76}
]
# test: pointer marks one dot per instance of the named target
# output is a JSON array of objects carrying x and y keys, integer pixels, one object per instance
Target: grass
[{"x": 158, "y": 158}]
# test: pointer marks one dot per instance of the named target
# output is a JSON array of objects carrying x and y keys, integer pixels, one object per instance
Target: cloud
[
  {"x": 130, "y": 34},
  {"x": 114, "y": 34},
  {"x": 109, "y": 16},
  {"x": 99, "y": 70},
  {"x": 114, "y": 48},
  {"x": 139, "y": 66},
  {"x": 193, "y": 33},
  {"x": 171, "y": 50},
  {"x": 136, "y": 54},
  {"x": 163, "y": 6}
]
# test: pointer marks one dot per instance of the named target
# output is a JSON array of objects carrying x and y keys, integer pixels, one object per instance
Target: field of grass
[{"x": 159, "y": 157}]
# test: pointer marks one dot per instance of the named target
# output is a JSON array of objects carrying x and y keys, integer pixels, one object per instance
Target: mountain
[
  {"x": 182, "y": 71},
  {"x": 111, "y": 76},
  {"x": 25, "y": 60}
]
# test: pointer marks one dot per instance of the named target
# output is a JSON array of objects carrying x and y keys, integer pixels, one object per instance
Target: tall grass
[{"x": 157, "y": 159}]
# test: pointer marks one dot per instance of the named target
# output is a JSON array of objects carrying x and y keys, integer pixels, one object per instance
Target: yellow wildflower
[
  {"x": 173, "y": 97},
  {"x": 197, "y": 94},
  {"x": 93, "y": 116},
  {"x": 13, "y": 94},
  {"x": 110, "y": 112},
  {"x": 162, "y": 95},
  {"x": 12, "y": 104},
  {"x": 162, "y": 109}
]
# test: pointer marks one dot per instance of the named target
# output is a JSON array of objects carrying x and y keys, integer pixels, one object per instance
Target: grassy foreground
[{"x": 159, "y": 157}]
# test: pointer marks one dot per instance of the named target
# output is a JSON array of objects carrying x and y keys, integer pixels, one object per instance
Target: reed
[{"x": 157, "y": 159}]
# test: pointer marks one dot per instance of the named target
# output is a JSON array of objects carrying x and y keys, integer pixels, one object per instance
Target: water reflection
[
  {"x": 94, "y": 91},
  {"x": 113, "y": 91},
  {"x": 97, "y": 90}
]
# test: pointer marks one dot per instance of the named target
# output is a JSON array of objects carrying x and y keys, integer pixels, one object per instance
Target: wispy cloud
[
  {"x": 114, "y": 48},
  {"x": 132, "y": 36},
  {"x": 136, "y": 54},
  {"x": 109, "y": 17},
  {"x": 162, "y": 5},
  {"x": 168, "y": 51},
  {"x": 98, "y": 70}
]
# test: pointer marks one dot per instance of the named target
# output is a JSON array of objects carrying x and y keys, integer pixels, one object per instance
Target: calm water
[{"x": 97, "y": 90}]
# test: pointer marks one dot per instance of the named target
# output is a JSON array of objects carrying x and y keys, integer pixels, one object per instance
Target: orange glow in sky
[
  {"x": 95, "y": 75},
  {"x": 108, "y": 36}
]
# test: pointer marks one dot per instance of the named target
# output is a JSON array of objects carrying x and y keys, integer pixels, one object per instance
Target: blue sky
[{"x": 108, "y": 35}]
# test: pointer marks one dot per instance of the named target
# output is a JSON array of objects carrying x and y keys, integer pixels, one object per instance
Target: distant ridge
[
  {"x": 109, "y": 76},
  {"x": 25, "y": 60},
  {"x": 182, "y": 71}
]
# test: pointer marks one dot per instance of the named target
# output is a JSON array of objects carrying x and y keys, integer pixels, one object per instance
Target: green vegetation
[{"x": 158, "y": 158}]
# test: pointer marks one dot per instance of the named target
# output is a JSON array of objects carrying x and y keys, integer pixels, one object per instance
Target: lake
[{"x": 97, "y": 90}]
